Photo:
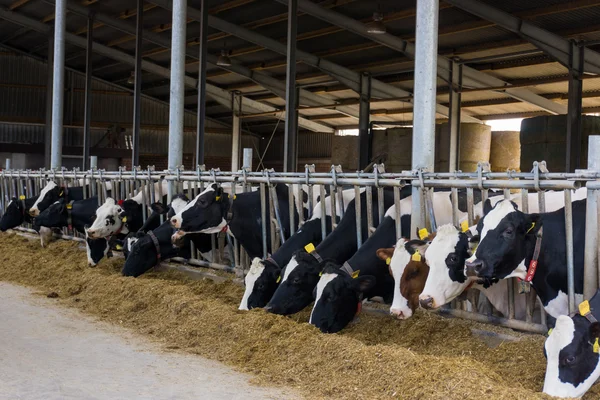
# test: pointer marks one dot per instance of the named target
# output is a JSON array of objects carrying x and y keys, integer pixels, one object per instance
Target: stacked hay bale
[
  {"x": 505, "y": 152},
  {"x": 475, "y": 145}
]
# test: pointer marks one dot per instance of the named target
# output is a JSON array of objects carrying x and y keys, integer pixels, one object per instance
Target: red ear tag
[
  {"x": 359, "y": 308},
  {"x": 120, "y": 202}
]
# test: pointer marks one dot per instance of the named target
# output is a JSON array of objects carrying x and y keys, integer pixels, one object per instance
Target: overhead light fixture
[
  {"x": 131, "y": 79},
  {"x": 377, "y": 27},
  {"x": 224, "y": 60}
]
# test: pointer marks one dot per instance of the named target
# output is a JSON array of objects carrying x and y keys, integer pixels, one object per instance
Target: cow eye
[
  {"x": 570, "y": 360},
  {"x": 453, "y": 258},
  {"x": 296, "y": 281},
  {"x": 508, "y": 231}
]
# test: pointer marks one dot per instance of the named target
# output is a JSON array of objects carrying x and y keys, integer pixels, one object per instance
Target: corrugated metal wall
[{"x": 310, "y": 145}]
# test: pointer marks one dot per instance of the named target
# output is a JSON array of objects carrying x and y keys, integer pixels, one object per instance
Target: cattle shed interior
[{"x": 353, "y": 84}]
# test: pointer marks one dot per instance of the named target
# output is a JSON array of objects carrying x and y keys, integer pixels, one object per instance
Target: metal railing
[{"x": 150, "y": 184}]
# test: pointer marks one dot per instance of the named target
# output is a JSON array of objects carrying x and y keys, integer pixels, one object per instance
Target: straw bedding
[{"x": 425, "y": 357}]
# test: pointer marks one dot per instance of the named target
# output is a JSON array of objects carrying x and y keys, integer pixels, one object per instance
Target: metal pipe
[
  {"x": 58, "y": 76},
  {"x": 202, "y": 60},
  {"x": 323, "y": 211},
  {"x": 423, "y": 145},
  {"x": 569, "y": 241},
  {"x": 236, "y": 137},
  {"x": 263, "y": 216},
  {"x": 590, "y": 280},
  {"x": 509, "y": 323},
  {"x": 291, "y": 203},
  {"x": 177, "y": 94},
  {"x": 87, "y": 108},
  {"x": 454, "y": 117},
  {"x": 573, "y": 148},
  {"x": 290, "y": 139},
  {"x": 247, "y": 159},
  {"x": 364, "y": 121},
  {"x": 137, "y": 90},
  {"x": 358, "y": 214},
  {"x": 275, "y": 205}
]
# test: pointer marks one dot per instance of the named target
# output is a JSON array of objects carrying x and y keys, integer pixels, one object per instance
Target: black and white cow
[
  {"x": 214, "y": 210},
  {"x": 301, "y": 274},
  {"x": 261, "y": 279},
  {"x": 51, "y": 193},
  {"x": 444, "y": 284},
  {"x": 17, "y": 212},
  {"x": 506, "y": 249},
  {"x": 573, "y": 353}
]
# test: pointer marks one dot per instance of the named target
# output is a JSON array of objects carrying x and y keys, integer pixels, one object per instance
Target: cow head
[
  {"x": 48, "y": 196},
  {"x": 504, "y": 232},
  {"x": 446, "y": 256},
  {"x": 261, "y": 283},
  {"x": 573, "y": 362},
  {"x": 409, "y": 273},
  {"x": 13, "y": 216},
  {"x": 107, "y": 220},
  {"x": 295, "y": 291},
  {"x": 54, "y": 216},
  {"x": 205, "y": 214},
  {"x": 96, "y": 249},
  {"x": 338, "y": 298}
]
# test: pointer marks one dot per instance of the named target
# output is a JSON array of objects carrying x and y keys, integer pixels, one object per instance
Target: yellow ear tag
[
  {"x": 388, "y": 261},
  {"x": 21, "y": 197},
  {"x": 124, "y": 219},
  {"x": 584, "y": 308},
  {"x": 218, "y": 198},
  {"x": 69, "y": 206},
  {"x": 61, "y": 193},
  {"x": 309, "y": 248},
  {"x": 234, "y": 196},
  {"x": 596, "y": 346},
  {"x": 423, "y": 233},
  {"x": 278, "y": 279},
  {"x": 119, "y": 247},
  {"x": 416, "y": 256},
  {"x": 355, "y": 274},
  {"x": 321, "y": 273},
  {"x": 464, "y": 226},
  {"x": 532, "y": 226},
  {"x": 550, "y": 331}
]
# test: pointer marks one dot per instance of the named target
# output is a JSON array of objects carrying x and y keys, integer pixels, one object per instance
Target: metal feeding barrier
[{"x": 149, "y": 186}]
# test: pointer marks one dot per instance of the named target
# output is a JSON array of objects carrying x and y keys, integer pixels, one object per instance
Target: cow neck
[
  {"x": 70, "y": 215},
  {"x": 366, "y": 258},
  {"x": 156, "y": 246},
  {"x": 228, "y": 214},
  {"x": 310, "y": 232},
  {"x": 534, "y": 259},
  {"x": 536, "y": 255}
]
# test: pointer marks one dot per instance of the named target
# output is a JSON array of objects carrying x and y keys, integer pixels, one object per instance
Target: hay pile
[{"x": 426, "y": 357}]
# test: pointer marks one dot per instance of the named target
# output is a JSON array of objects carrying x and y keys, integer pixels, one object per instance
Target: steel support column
[
  {"x": 290, "y": 140},
  {"x": 454, "y": 117},
  {"x": 200, "y": 123},
  {"x": 236, "y": 137},
  {"x": 177, "y": 95},
  {"x": 423, "y": 144},
  {"x": 48, "y": 130},
  {"x": 137, "y": 90},
  {"x": 58, "y": 74},
  {"x": 87, "y": 112},
  {"x": 364, "y": 142},
  {"x": 573, "y": 157}
]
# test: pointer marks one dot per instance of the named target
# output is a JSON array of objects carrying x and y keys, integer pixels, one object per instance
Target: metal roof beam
[
  {"x": 344, "y": 75},
  {"x": 471, "y": 77},
  {"x": 214, "y": 91},
  {"x": 558, "y": 47}
]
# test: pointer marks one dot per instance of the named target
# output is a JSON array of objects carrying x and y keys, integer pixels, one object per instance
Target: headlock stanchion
[{"x": 151, "y": 185}]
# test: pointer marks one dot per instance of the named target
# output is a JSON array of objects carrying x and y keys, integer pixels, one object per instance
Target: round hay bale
[
  {"x": 475, "y": 143},
  {"x": 505, "y": 152}
]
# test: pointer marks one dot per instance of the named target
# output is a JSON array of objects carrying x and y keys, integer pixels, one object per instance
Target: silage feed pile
[{"x": 426, "y": 357}]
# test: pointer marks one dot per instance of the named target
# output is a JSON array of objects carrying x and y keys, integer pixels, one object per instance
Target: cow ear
[
  {"x": 364, "y": 283},
  {"x": 159, "y": 208},
  {"x": 594, "y": 331},
  {"x": 415, "y": 245},
  {"x": 385, "y": 253},
  {"x": 487, "y": 207},
  {"x": 219, "y": 191}
]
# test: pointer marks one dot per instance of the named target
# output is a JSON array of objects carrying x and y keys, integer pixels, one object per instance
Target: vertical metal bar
[
  {"x": 60, "y": 23},
  {"x": 569, "y": 241},
  {"x": 310, "y": 201},
  {"x": 369, "y": 190},
  {"x": 358, "y": 214},
  {"x": 275, "y": 205},
  {"x": 455, "y": 211},
  {"x": 291, "y": 203},
  {"x": 323, "y": 211},
  {"x": 200, "y": 118},
  {"x": 48, "y": 121},
  {"x": 300, "y": 207},
  {"x": 380, "y": 204},
  {"x": 590, "y": 280},
  {"x": 263, "y": 215},
  {"x": 398, "y": 213},
  {"x": 176, "y": 99},
  {"x": 511, "y": 298},
  {"x": 573, "y": 156},
  {"x": 531, "y": 299},
  {"x": 454, "y": 117},
  {"x": 290, "y": 140},
  {"x": 137, "y": 90},
  {"x": 332, "y": 201},
  {"x": 470, "y": 206},
  {"x": 423, "y": 144},
  {"x": 236, "y": 137},
  {"x": 87, "y": 108},
  {"x": 364, "y": 115}
]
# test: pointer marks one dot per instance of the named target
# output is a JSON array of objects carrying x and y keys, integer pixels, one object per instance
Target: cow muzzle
[
  {"x": 34, "y": 212},
  {"x": 397, "y": 313},
  {"x": 177, "y": 238},
  {"x": 175, "y": 223},
  {"x": 427, "y": 303},
  {"x": 474, "y": 268}
]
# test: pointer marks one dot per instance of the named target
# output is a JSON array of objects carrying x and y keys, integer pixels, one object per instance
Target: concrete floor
[{"x": 48, "y": 352}]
